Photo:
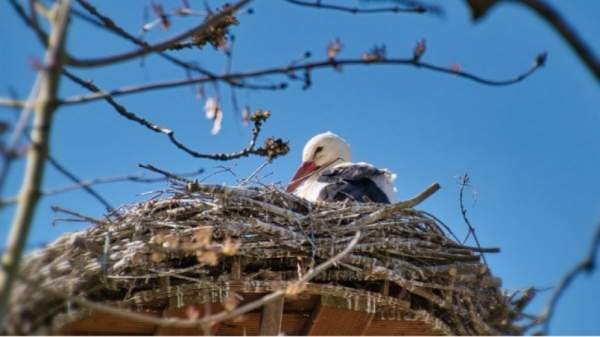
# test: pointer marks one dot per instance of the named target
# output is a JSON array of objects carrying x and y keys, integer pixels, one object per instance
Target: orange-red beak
[{"x": 304, "y": 171}]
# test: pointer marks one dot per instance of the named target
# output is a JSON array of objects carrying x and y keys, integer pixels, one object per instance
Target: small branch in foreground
[
  {"x": 464, "y": 182},
  {"x": 12, "y": 103},
  {"x": 272, "y": 148},
  {"x": 587, "y": 265},
  {"x": 45, "y": 105},
  {"x": 289, "y": 69},
  {"x": 291, "y": 289}
]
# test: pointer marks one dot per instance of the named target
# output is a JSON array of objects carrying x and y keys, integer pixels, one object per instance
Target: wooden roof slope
[{"x": 205, "y": 247}]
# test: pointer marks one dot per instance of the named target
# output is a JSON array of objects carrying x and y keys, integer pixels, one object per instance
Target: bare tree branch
[
  {"x": 356, "y": 10},
  {"x": 12, "y": 103},
  {"x": 30, "y": 190},
  {"x": 111, "y": 26},
  {"x": 272, "y": 148},
  {"x": 60, "y": 168},
  {"x": 286, "y": 70},
  {"x": 555, "y": 19},
  {"x": 587, "y": 265},
  {"x": 112, "y": 59}
]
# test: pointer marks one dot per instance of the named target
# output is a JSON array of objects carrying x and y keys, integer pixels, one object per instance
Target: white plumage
[{"x": 328, "y": 174}]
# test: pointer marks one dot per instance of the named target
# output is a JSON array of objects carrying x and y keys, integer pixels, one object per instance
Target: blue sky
[{"x": 531, "y": 149}]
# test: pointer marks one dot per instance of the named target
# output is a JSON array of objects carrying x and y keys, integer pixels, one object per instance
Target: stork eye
[{"x": 319, "y": 149}]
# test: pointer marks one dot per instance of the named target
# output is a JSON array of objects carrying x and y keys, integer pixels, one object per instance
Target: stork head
[{"x": 320, "y": 151}]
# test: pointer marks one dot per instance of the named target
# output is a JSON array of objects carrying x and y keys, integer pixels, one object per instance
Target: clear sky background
[{"x": 532, "y": 149}]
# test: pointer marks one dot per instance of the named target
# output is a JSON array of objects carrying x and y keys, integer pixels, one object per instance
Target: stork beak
[{"x": 304, "y": 171}]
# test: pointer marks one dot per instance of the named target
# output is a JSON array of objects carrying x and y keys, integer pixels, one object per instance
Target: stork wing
[{"x": 354, "y": 182}]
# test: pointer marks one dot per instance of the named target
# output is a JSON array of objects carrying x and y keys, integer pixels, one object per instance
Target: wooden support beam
[
  {"x": 200, "y": 310},
  {"x": 236, "y": 268},
  {"x": 332, "y": 320},
  {"x": 272, "y": 313}
]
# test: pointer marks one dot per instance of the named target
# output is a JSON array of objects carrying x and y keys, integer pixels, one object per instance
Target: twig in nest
[
  {"x": 291, "y": 289},
  {"x": 464, "y": 182}
]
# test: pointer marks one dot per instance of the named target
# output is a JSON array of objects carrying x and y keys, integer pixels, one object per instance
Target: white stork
[{"x": 328, "y": 174}]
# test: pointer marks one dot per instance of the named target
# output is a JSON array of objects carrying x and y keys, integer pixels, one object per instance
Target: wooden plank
[
  {"x": 381, "y": 327},
  {"x": 272, "y": 312},
  {"x": 330, "y": 320},
  {"x": 98, "y": 323},
  {"x": 184, "y": 312}
]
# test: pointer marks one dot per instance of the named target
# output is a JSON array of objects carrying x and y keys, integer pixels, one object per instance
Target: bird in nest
[{"x": 327, "y": 174}]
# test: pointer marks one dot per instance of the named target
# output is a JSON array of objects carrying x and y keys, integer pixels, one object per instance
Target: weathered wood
[
  {"x": 97, "y": 323},
  {"x": 270, "y": 323},
  {"x": 331, "y": 320},
  {"x": 236, "y": 268}
]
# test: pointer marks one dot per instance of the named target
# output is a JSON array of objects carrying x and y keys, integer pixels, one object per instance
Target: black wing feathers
[{"x": 352, "y": 183}]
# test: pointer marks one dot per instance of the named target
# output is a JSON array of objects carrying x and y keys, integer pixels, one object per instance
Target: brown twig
[
  {"x": 464, "y": 182},
  {"x": 556, "y": 20},
  {"x": 86, "y": 187},
  {"x": 286, "y": 70},
  {"x": 587, "y": 265},
  {"x": 356, "y": 10},
  {"x": 250, "y": 149},
  {"x": 206, "y": 25},
  {"x": 110, "y": 25},
  {"x": 40, "y": 134}
]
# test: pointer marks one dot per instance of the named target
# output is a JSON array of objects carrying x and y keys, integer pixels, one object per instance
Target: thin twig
[
  {"x": 86, "y": 187},
  {"x": 206, "y": 25},
  {"x": 286, "y": 70},
  {"x": 110, "y": 25},
  {"x": 464, "y": 181},
  {"x": 250, "y": 149},
  {"x": 587, "y": 265},
  {"x": 556, "y": 20},
  {"x": 12, "y": 103},
  {"x": 356, "y": 10}
]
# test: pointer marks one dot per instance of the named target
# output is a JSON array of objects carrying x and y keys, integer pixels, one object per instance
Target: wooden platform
[{"x": 321, "y": 310}]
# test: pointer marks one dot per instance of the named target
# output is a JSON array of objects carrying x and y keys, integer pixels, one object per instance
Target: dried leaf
[
  {"x": 158, "y": 257},
  {"x": 230, "y": 247},
  {"x": 203, "y": 235},
  {"x": 164, "y": 18},
  {"x": 171, "y": 241},
  {"x": 294, "y": 289},
  {"x": 246, "y": 115},
  {"x": 214, "y": 112},
  {"x": 210, "y": 257}
]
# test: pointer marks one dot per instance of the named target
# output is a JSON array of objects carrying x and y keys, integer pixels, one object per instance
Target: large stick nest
[{"x": 194, "y": 234}]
